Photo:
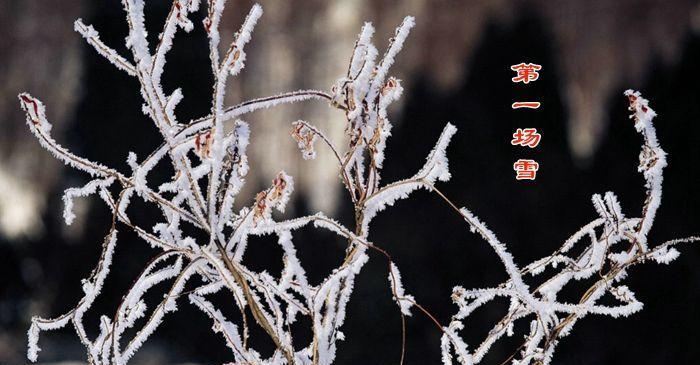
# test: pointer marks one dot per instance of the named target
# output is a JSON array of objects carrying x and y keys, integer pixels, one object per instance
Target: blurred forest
[{"x": 455, "y": 67}]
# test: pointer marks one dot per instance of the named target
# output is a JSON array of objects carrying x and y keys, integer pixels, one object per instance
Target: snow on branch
[
  {"x": 404, "y": 301},
  {"x": 41, "y": 128},
  {"x": 93, "y": 38},
  {"x": 91, "y": 287},
  {"x": 436, "y": 168},
  {"x": 604, "y": 263},
  {"x": 210, "y": 165},
  {"x": 88, "y": 189}
]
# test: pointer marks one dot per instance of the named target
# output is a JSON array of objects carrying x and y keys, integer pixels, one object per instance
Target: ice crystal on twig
[
  {"x": 604, "y": 260},
  {"x": 208, "y": 156}
]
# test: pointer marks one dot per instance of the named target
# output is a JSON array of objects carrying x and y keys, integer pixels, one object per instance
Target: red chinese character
[
  {"x": 526, "y": 169},
  {"x": 526, "y": 137},
  {"x": 526, "y": 104},
  {"x": 526, "y": 72}
]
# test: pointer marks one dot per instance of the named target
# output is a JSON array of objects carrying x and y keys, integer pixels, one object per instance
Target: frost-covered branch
[
  {"x": 203, "y": 153},
  {"x": 210, "y": 164},
  {"x": 603, "y": 260}
]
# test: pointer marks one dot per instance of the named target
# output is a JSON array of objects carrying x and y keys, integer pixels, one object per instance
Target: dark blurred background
[{"x": 455, "y": 67}]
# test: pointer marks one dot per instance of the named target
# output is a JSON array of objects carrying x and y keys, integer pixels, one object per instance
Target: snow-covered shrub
[
  {"x": 608, "y": 247},
  {"x": 208, "y": 157}
]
